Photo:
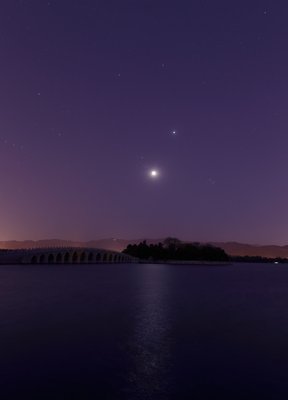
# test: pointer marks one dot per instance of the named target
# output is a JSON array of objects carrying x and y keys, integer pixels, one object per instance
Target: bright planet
[{"x": 154, "y": 173}]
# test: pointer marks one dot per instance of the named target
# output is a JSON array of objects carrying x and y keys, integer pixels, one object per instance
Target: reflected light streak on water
[{"x": 150, "y": 347}]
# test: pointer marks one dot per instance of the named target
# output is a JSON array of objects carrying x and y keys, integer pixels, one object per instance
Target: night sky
[{"x": 144, "y": 118}]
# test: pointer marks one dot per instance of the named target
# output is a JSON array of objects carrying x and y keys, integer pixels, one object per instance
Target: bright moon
[{"x": 154, "y": 173}]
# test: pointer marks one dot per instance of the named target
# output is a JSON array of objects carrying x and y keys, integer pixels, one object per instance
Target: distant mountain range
[{"x": 231, "y": 248}]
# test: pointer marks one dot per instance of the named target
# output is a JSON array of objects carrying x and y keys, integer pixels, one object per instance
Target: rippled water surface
[{"x": 144, "y": 332}]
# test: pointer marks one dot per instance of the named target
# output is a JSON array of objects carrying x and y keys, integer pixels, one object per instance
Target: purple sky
[{"x": 96, "y": 94}]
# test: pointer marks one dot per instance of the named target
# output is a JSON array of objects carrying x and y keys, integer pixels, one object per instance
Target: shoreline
[{"x": 185, "y": 262}]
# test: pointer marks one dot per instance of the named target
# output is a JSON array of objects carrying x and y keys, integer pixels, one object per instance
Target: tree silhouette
[{"x": 174, "y": 249}]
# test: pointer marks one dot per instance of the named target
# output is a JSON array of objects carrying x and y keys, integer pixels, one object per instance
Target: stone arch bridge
[{"x": 61, "y": 255}]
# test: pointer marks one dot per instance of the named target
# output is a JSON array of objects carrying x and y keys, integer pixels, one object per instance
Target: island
[{"x": 173, "y": 251}]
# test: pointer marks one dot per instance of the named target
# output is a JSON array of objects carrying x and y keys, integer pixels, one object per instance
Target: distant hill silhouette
[
  {"x": 231, "y": 248},
  {"x": 242, "y": 249}
]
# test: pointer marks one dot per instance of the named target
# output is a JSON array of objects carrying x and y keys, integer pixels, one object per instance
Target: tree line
[
  {"x": 259, "y": 259},
  {"x": 174, "y": 249}
]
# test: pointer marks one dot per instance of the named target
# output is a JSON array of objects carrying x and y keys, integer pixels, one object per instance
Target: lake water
[{"x": 144, "y": 332}]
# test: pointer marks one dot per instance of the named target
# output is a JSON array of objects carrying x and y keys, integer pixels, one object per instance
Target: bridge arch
[
  {"x": 51, "y": 258},
  {"x": 67, "y": 257},
  {"x": 83, "y": 257},
  {"x": 75, "y": 257}
]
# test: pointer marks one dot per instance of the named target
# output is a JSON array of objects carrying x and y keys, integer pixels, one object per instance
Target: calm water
[{"x": 144, "y": 332}]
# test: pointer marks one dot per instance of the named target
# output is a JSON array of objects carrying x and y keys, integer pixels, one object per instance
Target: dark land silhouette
[
  {"x": 258, "y": 259},
  {"x": 233, "y": 249},
  {"x": 174, "y": 249}
]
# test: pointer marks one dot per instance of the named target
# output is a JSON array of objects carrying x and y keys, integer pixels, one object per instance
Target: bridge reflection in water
[{"x": 62, "y": 255}]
